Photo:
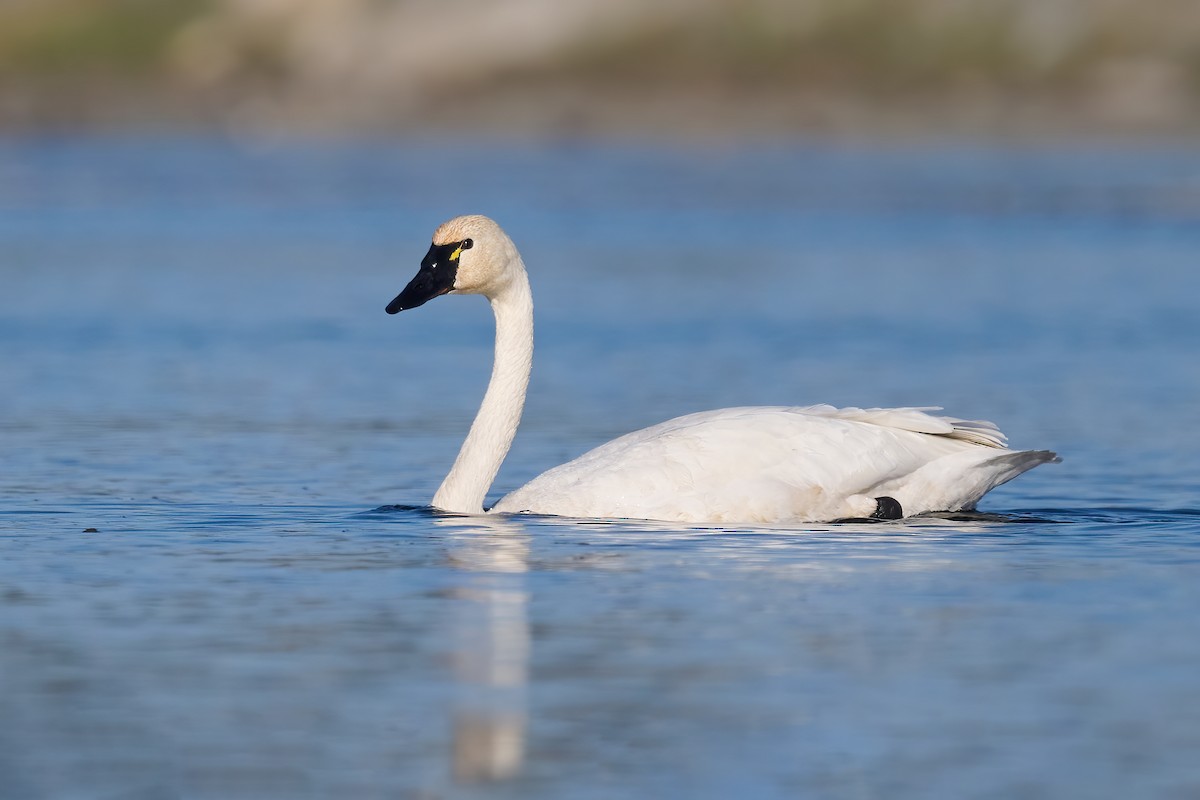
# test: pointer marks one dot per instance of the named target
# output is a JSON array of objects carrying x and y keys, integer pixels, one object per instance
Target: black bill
[{"x": 436, "y": 277}]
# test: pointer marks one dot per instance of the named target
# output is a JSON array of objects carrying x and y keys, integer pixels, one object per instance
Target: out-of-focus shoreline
[
  {"x": 699, "y": 115},
  {"x": 698, "y": 71}
]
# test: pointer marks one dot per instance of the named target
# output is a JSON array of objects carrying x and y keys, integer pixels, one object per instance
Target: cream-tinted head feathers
[
  {"x": 468, "y": 226},
  {"x": 489, "y": 263},
  {"x": 469, "y": 255}
]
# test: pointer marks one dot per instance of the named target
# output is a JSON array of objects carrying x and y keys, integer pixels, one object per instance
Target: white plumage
[{"x": 733, "y": 465}]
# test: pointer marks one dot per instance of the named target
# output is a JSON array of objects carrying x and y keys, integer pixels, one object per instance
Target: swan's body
[{"x": 759, "y": 464}]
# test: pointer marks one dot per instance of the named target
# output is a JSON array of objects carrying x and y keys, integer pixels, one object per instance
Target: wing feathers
[{"x": 915, "y": 419}]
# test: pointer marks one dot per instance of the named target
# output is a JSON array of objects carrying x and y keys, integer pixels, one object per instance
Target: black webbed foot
[{"x": 887, "y": 508}]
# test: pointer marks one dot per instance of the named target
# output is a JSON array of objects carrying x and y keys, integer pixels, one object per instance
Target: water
[{"x": 218, "y": 581}]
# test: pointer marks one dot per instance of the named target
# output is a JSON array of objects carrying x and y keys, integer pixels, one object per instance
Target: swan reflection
[{"x": 491, "y": 635}]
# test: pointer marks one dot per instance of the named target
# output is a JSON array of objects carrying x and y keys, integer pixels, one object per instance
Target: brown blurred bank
[{"x": 691, "y": 68}]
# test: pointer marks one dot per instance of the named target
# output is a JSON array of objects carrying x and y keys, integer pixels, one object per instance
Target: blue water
[{"x": 217, "y": 580}]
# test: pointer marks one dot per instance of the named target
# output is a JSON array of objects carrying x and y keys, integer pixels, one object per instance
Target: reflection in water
[{"x": 492, "y": 643}]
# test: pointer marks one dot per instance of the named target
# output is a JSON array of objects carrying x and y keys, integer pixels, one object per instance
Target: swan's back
[{"x": 778, "y": 464}]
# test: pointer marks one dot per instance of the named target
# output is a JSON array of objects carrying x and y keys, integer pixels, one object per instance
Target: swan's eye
[{"x": 467, "y": 244}]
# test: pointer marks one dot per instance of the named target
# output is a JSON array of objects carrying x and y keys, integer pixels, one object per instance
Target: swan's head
[{"x": 469, "y": 255}]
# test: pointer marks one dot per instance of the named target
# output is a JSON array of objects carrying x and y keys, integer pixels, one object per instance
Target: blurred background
[{"x": 695, "y": 68}]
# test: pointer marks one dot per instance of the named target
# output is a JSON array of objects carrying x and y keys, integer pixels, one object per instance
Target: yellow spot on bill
[{"x": 457, "y": 252}]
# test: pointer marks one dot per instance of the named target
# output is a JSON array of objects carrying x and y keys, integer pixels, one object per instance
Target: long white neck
[{"x": 495, "y": 425}]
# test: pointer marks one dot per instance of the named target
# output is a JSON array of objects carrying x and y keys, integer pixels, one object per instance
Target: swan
[{"x": 733, "y": 465}]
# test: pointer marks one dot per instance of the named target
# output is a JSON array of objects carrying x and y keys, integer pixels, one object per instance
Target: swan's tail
[{"x": 1003, "y": 469}]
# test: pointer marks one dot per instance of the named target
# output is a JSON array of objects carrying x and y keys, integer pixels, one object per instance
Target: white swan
[{"x": 743, "y": 465}]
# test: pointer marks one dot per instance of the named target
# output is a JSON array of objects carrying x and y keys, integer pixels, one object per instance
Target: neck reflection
[{"x": 491, "y": 647}]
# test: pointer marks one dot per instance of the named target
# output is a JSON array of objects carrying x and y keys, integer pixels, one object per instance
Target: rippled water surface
[{"x": 218, "y": 578}]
